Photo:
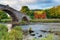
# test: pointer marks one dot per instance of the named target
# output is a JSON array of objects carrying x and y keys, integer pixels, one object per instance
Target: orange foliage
[{"x": 38, "y": 16}]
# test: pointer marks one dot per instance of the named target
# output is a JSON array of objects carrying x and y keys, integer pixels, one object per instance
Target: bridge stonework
[{"x": 16, "y": 15}]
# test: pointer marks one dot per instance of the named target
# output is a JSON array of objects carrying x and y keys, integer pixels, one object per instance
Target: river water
[{"x": 37, "y": 27}]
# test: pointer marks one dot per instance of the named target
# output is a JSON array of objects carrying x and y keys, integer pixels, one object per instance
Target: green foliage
[
  {"x": 28, "y": 12},
  {"x": 35, "y": 38},
  {"x": 13, "y": 35},
  {"x": 18, "y": 28},
  {"x": 3, "y": 30},
  {"x": 23, "y": 22},
  {"x": 5, "y": 20},
  {"x": 46, "y": 20},
  {"x": 24, "y": 9},
  {"x": 53, "y": 12},
  {"x": 3, "y": 15},
  {"x": 48, "y": 14},
  {"x": 31, "y": 14}
]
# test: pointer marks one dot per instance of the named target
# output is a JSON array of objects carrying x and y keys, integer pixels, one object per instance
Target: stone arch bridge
[{"x": 16, "y": 15}]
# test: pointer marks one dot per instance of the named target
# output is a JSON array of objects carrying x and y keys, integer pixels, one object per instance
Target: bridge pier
[{"x": 14, "y": 23}]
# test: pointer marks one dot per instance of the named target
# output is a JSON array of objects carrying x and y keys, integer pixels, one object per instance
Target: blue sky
[{"x": 32, "y": 4}]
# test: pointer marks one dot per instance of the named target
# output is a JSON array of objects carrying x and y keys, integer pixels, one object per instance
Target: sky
[{"x": 32, "y": 4}]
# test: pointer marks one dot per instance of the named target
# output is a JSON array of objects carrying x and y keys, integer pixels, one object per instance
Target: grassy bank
[
  {"x": 33, "y": 20},
  {"x": 15, "y": 33},
  {"x": 5, "y": 20},
  {"x": 46, "y": 20}
]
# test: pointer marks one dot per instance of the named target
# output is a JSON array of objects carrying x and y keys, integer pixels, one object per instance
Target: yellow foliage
[{"x": 39, "y": 12}]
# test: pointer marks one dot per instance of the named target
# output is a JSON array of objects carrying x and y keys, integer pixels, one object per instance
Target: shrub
[
  {"x": 23, "y": 22},
  {"x": 5, "y": 20},
  {"x": 3, "y": 30},
  {"x": 13, "y": 35},
  {"x": 18, "y": 28}
]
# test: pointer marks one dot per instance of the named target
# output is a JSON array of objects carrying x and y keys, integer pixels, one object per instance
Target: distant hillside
[
  {"x": 36, "y": 10},
  {"x": 53, "y": 12}
]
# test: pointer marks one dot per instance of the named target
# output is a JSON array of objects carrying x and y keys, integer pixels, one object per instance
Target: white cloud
[
  {"x": 56, "y": 0},
  {"x": 41, "y": 6},
  {"x": 16, "y": 4},
  {"x": 10, "y": 2},
  {"x": 27, "y": 1}
]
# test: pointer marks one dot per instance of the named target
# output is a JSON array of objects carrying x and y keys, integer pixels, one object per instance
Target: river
[{"x": 38, "y": 27}]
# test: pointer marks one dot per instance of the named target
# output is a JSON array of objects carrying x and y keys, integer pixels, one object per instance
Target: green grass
[
  {"x": 15, "y": 34},
  {"x": 46, "y": 20},
  {"x": 33, "y": 20},
  {"x": 5, "y": 20}
]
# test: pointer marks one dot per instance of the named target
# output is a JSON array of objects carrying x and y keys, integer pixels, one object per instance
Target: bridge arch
[
  {"x": 24, "y": 18},
  {"x": 16, "y": 15},
  {"x": 14, "y": 18},
  {"x": 8, "y": 10}
]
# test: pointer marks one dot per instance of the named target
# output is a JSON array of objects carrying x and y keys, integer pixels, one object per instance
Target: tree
[
  {"x": 53, "y": 12},
  {"x": 24, "y": 9},
  {"x": 31, "y": 14},
  {"x": 48, "y": 14}
]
